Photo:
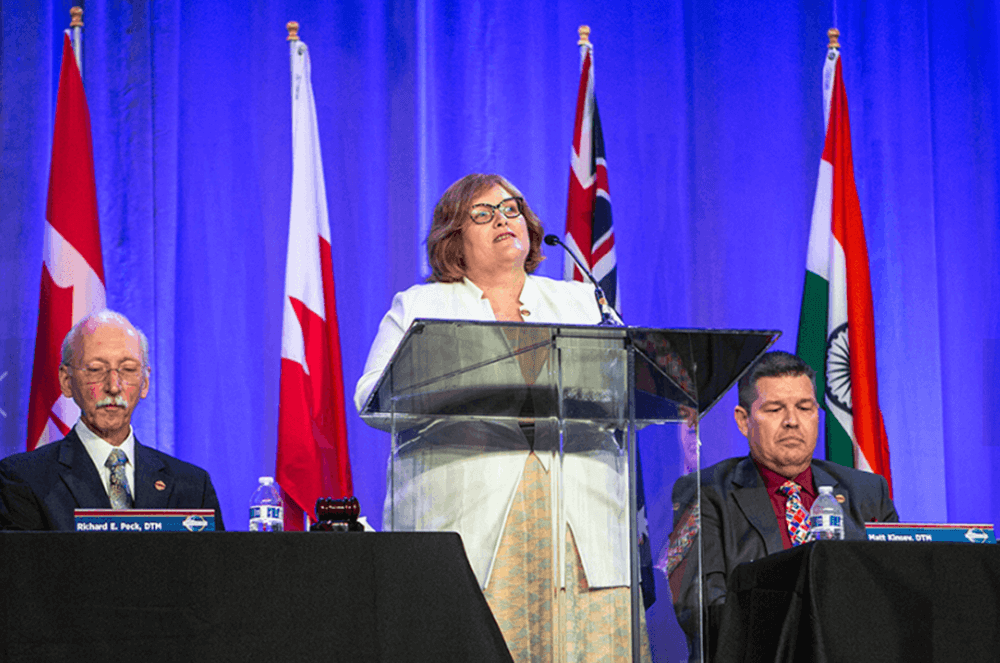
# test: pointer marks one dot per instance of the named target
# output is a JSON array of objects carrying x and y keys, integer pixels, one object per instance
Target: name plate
[
  {"x": 930, "y": 532},
  {"x": 144, "y": 520}
]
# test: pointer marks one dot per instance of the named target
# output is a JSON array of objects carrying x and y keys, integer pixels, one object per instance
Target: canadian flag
[
  {"x": 312, "y": 458},
  {"x": 72, "y": 267}
]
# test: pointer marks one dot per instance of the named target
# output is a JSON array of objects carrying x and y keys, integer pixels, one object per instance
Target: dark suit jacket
[
  {"x": 739, "y": 525},
  {"x": 40, "y": 489}
]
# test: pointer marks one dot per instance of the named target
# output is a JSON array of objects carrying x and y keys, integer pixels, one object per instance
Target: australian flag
[
  {"x": 588, "y": 213},
  {"x": 590, "y": 234}
]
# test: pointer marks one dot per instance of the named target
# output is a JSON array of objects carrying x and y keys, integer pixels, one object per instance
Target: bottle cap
[{"x": 266, "y": 481}]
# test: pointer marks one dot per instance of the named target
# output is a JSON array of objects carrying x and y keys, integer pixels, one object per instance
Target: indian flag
[{"x": 836, "y": 326}]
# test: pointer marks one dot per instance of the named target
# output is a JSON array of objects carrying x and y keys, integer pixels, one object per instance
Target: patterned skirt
[{"x": 541, "y": 621}]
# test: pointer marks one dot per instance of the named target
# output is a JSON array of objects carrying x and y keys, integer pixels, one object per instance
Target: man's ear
[
  {"x": 65, "y": 381},
  {"x": 145, "y": 383},
  {"x": 742, "y": 419}
]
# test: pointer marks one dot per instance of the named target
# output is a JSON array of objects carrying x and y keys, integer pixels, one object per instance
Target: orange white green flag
[{"x": 836, "y": 325}]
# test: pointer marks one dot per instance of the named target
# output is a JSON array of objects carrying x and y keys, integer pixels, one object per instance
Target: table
[
  {"x": 242, "y": 596},
  {"x": 865, "y": 601}
]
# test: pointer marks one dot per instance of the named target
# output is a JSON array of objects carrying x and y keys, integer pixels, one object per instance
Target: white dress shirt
[
  {"x": 99, "y": 450},
  {"x": 465, "y": 481}
]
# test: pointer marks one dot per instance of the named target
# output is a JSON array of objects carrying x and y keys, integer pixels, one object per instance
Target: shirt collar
[
  {"x": 472, "y": 288},
  {"x": 530, "y": 295},
  {"x": 773, "y": 481},
  {"x": 529, "y": 292},
  {"x": 99, "y": 449}
]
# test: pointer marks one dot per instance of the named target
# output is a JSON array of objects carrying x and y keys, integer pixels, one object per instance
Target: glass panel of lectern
[{"x": 521, "y": 437}]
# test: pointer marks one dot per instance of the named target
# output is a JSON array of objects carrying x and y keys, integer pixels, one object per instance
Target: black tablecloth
[
  {"x": 240, "y": 596},
  {"x": 865, "y": 601}
]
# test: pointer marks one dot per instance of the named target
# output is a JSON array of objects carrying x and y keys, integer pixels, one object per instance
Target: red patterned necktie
[{"x": 795, "y": 514}]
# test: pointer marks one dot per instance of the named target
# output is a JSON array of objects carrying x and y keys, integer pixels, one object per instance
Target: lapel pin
[
  {"x": 841, "y": 499},
  {"x": 159, "y": 485}
]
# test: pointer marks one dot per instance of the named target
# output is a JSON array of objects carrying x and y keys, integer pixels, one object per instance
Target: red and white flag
[
  {"x": 312, "y": 459},
  {"x": 72, "y": 266},
  {"x": 588, "y": 212},
  {"x": 837, "y": 322}
]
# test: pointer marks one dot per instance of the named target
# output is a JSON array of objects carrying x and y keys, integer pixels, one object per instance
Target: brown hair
[
  {"x": 772, "y": 364},
  {"x": 445, "y": 251}
]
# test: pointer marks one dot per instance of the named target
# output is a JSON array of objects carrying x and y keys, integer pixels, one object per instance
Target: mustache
[{"x": 112, "y": 400}]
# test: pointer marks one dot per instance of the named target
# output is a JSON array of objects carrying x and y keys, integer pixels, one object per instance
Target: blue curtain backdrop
[{"x": 712, "y": 112}]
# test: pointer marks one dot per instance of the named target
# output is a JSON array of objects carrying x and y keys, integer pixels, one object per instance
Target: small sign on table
[
  {"x": 930, "y": 532},
  {"x": 145, "y": 520}
]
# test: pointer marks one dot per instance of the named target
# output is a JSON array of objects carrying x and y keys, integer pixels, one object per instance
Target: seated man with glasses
[{"x": 99, "y": 464}]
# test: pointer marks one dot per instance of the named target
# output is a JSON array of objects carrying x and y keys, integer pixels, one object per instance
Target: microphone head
[{"x": 551, "y": 240}]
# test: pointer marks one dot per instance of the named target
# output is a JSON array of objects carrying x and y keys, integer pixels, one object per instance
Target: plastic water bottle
[
  {"x": 267, "y": 511},
  {"x": 826, "y": 520}
]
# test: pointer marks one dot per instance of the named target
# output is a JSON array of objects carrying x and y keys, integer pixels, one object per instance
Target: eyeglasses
[
  {"x": 129, "y": 373},
  {"x": 484, "y": 212}
]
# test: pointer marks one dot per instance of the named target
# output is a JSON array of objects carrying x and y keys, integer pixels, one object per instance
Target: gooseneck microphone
[{"x": 609, "y": 317}]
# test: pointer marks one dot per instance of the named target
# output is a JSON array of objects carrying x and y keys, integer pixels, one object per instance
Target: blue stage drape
[{"x": 712, "y": 113}]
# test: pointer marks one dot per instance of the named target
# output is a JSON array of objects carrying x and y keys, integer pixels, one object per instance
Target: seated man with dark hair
[
  {"x": 99, "y": 464},
  {"x": 754, "y": 506}
]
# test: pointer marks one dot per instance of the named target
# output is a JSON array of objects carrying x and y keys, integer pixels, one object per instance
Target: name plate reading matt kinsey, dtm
[
  {"x": 144, "y": 520},
  {"x": 930, "y": 532}
]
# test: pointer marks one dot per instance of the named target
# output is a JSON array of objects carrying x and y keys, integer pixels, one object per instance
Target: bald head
[{"x": 87, "y": 325}]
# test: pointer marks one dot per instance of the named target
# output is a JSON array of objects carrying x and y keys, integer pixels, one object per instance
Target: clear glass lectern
[{"x": 521, "y": 438}]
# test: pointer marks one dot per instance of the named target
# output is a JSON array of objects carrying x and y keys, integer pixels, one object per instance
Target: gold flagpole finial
[
  {"x": 76, "y": 17},
  {"x": 834, "y": 35},
  {"x": 584, "y": 31},
  {"x": 293, "y": 30}
]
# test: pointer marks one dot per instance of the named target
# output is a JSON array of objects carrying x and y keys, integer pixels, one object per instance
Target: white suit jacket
[{"x": 457, "y": 487}]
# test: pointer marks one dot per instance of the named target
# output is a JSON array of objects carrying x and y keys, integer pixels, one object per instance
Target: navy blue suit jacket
[
  {"x": 40, "y": 489},
  {"x": 739, "y": 525}
]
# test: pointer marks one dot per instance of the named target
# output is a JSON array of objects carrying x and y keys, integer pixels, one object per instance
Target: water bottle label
[
  {"x": 826, "y": 521},
  {"x": 267, "y": 512}
]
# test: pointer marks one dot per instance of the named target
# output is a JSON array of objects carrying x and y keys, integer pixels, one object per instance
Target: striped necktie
[
  {"x": 795, "y": 514},
  {"x": 121, "y": 496}
]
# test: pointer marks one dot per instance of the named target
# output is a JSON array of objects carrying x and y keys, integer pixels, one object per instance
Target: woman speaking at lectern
[{"x": 492, "y": 481}]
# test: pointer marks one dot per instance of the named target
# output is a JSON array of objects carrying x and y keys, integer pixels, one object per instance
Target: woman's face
[{"x": 500, "y": 244}]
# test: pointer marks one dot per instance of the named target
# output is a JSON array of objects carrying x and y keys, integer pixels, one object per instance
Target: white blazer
[{"x": 462, "y": 477}]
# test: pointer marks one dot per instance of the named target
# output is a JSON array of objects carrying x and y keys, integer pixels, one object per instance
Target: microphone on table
[{"x": 609, "y": 317}]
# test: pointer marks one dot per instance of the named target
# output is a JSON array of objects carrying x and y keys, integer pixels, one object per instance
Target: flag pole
[
  {"x": 76, "y": 35},
  {"x": 596, "y": 154},
  {"x": 834, "y": 35},
  {"x": 293, "y": 37}
]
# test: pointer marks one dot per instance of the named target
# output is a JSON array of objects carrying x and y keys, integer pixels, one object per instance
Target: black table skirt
[
  {"x": 865, "y": 601},
  {"x": 241, "y": 596}
]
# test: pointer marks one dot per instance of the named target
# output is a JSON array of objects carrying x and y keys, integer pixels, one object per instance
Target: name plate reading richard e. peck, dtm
[
  {"x": 144, "y": 520},
  {"x": 930, "y": 532}
]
